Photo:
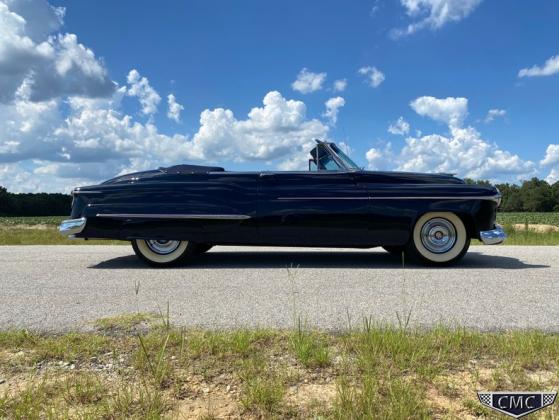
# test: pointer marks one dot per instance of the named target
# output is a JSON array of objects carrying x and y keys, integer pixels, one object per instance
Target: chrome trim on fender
[
  {"x": 493, "y": 236},
  {"x": 496, "y": 198},
  {"x": 174, "y": 216},
  {"x": 72, "y": 226},
  {"x": 322, "y": 198}
]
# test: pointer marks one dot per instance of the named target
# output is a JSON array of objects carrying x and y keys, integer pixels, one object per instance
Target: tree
[
  {"x": 555, "y": 196},
  {"x": 5, "y": 202},
  {"x": 536, "y": 195}
]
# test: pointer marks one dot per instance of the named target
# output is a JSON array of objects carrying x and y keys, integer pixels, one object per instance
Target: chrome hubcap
[
  {"x": 438, "y": 235},
  {"x": 162, "y": 247}
]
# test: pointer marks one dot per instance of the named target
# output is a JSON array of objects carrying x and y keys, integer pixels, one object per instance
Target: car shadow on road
[{"x": 318, "y": 259}]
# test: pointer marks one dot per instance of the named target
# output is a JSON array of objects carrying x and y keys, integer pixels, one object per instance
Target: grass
[
  {"x": 309, "y": 348},
  {"x": 45, "y": 236},
  {"x": 526, "y": 237},
  {"x": 367, "y": 372},
  {"x": 32, "y": 220},
  {"x": 125, "y": 322}
]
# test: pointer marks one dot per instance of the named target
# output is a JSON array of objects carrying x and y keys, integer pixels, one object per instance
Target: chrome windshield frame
[{"x": 339, "y": 161}]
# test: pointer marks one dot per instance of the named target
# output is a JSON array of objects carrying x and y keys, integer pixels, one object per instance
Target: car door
[{"x": 322, "y": 208}]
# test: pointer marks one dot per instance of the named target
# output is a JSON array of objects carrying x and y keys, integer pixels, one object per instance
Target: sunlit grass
[
  {"x": 370, "y": 372},
  {"x": 45, "y": 236}
]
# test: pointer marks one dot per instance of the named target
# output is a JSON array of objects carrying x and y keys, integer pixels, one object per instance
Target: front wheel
[
  {"x": 439, "y": 238},
  {"x": 162, "y": 253}
]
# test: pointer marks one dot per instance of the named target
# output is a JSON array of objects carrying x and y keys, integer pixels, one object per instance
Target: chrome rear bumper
[
  {"x": 72, "y": 226},
  {"x": 493, "y": 236}
]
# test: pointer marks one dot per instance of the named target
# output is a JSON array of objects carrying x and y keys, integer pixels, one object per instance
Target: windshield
[
  {"x": 343, "y": 157},
  {"x": 329, "y": 157}
]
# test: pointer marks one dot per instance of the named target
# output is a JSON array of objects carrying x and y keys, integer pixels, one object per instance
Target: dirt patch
[
  {"x": 449, "y": 391},
  {"x": 538, "y": 228},
  {"x": 306, "y": 395},
  {"x": 215, "y": 402},
  {"x": 40, "y": 226}
]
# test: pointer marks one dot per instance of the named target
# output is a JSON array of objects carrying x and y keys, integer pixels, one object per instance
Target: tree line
[
  {"x": 34, "y": 204},
  {"x": 530, "y": 196}
]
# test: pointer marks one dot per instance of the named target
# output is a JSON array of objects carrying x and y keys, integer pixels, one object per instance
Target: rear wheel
[
  {"x": 439, "y": 238},
  {"x": 161, "y": 253}
]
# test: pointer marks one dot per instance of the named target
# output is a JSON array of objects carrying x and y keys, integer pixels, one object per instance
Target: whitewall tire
[
  {"x": 162, "y": 253},
  {"x": 439, "y": 238}
]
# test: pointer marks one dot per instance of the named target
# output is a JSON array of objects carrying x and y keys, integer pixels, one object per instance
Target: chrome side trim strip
[
  {"x": 174, "y": 216},
  {"x": 71, "y": 227},
  {"x": 322, "y": 198},
  {"x": 495, "y": 198},
  {"x": 86, "y": 192}
]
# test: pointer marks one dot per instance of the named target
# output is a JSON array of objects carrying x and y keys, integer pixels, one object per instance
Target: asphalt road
[{"x": 57, "y": 288}]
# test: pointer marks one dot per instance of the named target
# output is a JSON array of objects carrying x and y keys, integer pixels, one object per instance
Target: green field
[
  {"x": 531, "y": 218},
  {"x": 42, "y": 230}
]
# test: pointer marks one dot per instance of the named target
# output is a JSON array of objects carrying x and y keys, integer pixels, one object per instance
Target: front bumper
[
  {"x": 493, "y": 236},
  {"x": 72, "y": 227}
]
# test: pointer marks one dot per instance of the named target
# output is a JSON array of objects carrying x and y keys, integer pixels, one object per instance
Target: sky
[{"x": 90, "y": 90}]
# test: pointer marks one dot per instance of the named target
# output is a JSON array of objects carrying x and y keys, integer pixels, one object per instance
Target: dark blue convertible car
[{"x": 172, "y": 214}]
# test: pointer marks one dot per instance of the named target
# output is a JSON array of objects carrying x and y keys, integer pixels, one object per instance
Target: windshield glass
[
  {"x": 329, "y": 157},
  {"x": 328, "y": 164},
  {"x": 344, "y": 158}
]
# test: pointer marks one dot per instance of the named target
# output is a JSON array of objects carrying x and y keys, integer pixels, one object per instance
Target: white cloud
[
  {"x": 463, "y": 152},
  {"x": 551, "y": 155},
  {"x": 277, "y": 130},
  {"x": 451, "y": 111},
  {"x": 50, "y": 64},
  {"x": 308, "y": 82},
  {"x": 550, "y": 67},
  {"x": 339, "y": 85},
  {"x": 139, "y": 86},
  {"x": 380, "y": 159},
  {"x": 174, "y": 109},
  {"x": 552, "y": 159},
  {"x": 346, "y": 148},
  {"x": 400, "y": 127},
  {"x": 553, "y": 176},
  {"x": 373, "y": 75},
  {"x": 333, "y": 106},
  {"x": 492, "y": 114},
  {"x": 434, "y": 14},
  {"x": 50, "y": 151}
]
